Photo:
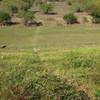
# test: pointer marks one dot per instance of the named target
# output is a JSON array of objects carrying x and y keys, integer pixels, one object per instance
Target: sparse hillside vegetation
[{"x": 19, "y": 7}]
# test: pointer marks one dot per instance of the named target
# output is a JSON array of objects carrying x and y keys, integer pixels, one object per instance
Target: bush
[
  {"x": 24, "y": 77},
  {"x": 46, "y": 8},
  {"x": 28, "y": 18},
  {"x": 4, "y": 17},
  {"x": 96, "y": 20},
  {"x": 96, "y": 16},
  {"x": 70, "y": 18},
  {"x": 69, "y": 3}
]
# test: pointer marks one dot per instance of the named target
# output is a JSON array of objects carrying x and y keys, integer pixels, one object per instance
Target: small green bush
[
  {"x": 28, "y": 18},
  {"x": 46, "y": 8},
  {"x": 69, "y": 3},
  {"x": 4, "y": 17},
  {"x": 96, "y": 16},
  {"x": 70, "y": 18}
]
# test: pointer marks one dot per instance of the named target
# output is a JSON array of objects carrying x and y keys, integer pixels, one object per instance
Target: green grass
[
  {"x": 44, "y": 72},
  {"x": 59, "y": 70},
  {"x": 54, "y": 64},
  {"x": 50, "y": 37}
]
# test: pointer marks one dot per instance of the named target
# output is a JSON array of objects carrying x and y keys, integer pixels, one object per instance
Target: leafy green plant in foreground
[{"x": 24, "y": 76}]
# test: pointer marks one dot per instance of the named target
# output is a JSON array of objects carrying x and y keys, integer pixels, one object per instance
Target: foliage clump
[
  {"x": 4, "y": 17},
  {"x": 25, "y": 76},
  {"x": 28, "y": 18},
  {"x": 96, "y": 16},
  {"x": 46, "y": 8},
  {"x": 70, "y": 18}
]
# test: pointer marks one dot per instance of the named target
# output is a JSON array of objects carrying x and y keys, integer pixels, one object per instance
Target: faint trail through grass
[{"x": 38, "y": 29}]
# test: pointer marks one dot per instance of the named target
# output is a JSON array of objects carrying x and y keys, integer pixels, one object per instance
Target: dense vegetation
[
  {"x": 32, "y": 76},
  {"x": 40, "y": 62}
]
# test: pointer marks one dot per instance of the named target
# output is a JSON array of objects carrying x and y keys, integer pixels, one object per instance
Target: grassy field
[
  {"x": 51, "y": 62},
  {"x": 68, "y": 62},
  {"x": 50, "y": 74},
  {"x": 50, "y": 37}
]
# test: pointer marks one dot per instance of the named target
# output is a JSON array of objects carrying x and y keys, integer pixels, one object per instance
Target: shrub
[
  {"x": 96, "y": 16},
  {"x": 95, "y": 13},
  {"x": 46, "y": 8},
  {"x": 44, "y": 87},
  {"x": 96, "y": 20},
  {"x": 69, "y": 3},
  {"x": 70, "y": 18},
  {"x": 28, "y": 18},
  {"x": 24, "y": 77},
  {"x": 4, "y": 17}
]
